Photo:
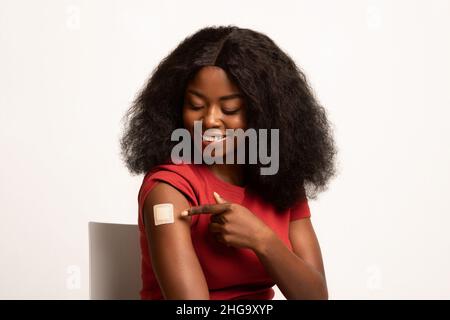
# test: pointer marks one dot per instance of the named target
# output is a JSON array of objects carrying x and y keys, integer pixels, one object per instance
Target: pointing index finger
[{"x": 207, "y": 208}]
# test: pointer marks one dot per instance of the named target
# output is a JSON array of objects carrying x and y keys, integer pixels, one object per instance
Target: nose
[{"x": 212, "y": 118}]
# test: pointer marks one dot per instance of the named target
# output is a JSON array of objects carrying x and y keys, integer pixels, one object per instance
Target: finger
[
  {"x": 207, "y": 208},
  {"x": 219, "y": 237},
  {"x": 217, "y": 218},
  {"x": 215, "y": 227},
  {"x": 219, "y": 198}
]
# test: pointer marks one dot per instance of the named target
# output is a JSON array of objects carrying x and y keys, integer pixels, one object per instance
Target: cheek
[{"x": 238, "y": 122}]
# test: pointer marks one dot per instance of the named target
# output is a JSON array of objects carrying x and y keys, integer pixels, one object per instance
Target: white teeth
[
  {"x": 213, "y": 138},
  {"x": 213, "y": 135}
]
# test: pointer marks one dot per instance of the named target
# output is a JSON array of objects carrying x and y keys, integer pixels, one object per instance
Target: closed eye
[
  {"x": 230, "y": 111},
  {"x": 194, "y": 107}
]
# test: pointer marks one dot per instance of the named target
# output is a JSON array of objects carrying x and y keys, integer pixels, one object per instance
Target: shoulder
[{"x": 182, "y": 177}]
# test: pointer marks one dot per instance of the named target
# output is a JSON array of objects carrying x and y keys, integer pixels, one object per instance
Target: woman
[{"x": 235, "y": 232}]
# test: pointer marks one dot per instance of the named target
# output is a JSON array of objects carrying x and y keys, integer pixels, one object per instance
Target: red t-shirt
[{"x": 231, "y": 273}]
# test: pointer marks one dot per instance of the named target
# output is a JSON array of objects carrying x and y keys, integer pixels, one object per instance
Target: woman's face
[{"x": 212, "y": 98}]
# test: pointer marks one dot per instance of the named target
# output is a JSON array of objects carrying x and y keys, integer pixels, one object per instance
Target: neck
[{"x": 231, "y": 173}]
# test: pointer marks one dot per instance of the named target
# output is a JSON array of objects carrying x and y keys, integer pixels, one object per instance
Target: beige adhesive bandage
[{"x": 163, "y": 213}]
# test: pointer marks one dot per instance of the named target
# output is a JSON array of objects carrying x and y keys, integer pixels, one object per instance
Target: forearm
[{"x": 294, "y": 277}]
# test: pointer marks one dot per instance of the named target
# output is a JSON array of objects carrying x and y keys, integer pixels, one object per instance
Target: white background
[{"x": 70, "y": 69}]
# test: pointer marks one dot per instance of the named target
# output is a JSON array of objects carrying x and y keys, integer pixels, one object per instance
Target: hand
[{"x": 233, "y": 224}]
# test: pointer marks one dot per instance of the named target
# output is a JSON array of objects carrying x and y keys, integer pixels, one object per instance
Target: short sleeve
[
  {"x": 175, "y": 179},
  {"x": 300, "y": 210}
]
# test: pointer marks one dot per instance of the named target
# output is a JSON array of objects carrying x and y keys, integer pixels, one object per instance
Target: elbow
[
  {"x": 319, "y": 290},
  {"x": 316, "y": 290},
  {"x": 323, "y": 293},
  {"x": 322, "y": 290}
]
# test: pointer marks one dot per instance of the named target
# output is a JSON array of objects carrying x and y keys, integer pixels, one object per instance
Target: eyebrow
[{"x": 227, "y": 97}]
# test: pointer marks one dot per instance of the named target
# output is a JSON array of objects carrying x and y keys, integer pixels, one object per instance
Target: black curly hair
[{"x": 276, "y": 93}]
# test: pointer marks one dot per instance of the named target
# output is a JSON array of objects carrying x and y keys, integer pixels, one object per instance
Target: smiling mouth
[
  {"x": 212, "y": 135},
  {"x": 213, "y": 138}
]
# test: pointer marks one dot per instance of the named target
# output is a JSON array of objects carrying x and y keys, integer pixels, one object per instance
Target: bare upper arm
[
  {"x": 174, "y": 259},
  {"x": 305, "y": 244}
]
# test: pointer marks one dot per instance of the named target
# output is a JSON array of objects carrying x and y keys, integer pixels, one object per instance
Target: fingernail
[
  {"x": 184, "y": 213},
  {"x": 216, "y": 194}
]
